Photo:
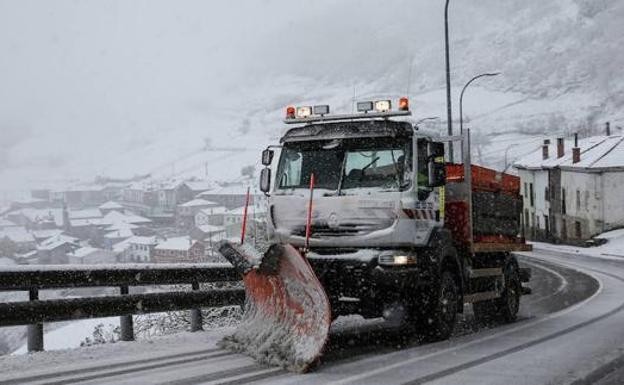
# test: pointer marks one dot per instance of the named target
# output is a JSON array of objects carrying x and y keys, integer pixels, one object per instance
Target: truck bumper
[{"x": 356, "y": 284}]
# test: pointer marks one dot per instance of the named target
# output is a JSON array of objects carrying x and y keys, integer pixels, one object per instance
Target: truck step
[
  {"x": 483, "y": 296},
  {"x": 488, "y": 272}
]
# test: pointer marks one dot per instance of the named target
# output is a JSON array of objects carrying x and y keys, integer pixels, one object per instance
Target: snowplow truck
[{"x": 387, "y": 224}]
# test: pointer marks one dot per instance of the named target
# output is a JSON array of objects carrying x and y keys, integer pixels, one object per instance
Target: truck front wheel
[{"x": 439, "y": 322}]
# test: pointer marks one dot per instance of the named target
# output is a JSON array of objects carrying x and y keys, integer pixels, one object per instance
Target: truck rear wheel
[
  {"x": 439, "y": 323},
  {"x": 503, "y": 309}
]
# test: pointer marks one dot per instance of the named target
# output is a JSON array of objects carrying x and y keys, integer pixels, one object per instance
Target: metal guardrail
[{"x": 35, "y": 278}]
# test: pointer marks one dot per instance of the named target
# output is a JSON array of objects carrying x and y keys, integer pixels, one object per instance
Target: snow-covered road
[{"x": 569, "y": 329}]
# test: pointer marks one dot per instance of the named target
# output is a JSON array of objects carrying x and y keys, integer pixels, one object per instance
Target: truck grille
[{"x": 340, "y": 231}]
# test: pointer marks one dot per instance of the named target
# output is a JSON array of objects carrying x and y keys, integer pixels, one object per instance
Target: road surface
[{"x": 571, "y": 330}]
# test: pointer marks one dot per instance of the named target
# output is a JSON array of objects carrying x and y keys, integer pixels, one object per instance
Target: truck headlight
[{"x": 396, "y": 260}]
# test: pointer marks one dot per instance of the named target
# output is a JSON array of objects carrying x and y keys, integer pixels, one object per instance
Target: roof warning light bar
[{"x": 366, "y": 110}]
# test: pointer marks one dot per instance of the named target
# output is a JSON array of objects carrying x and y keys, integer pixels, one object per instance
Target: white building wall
[
  {"x": 534, "y": 182},
  {"x": 613, "y": 188},
  {"x": 583, "y": 203}
]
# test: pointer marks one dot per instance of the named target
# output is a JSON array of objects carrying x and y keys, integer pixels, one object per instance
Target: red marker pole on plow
[
  {"x": 245, "y": 217},
  {"x": 309, "y": 218}
]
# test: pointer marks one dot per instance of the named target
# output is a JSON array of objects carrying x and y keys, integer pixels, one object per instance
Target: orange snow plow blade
[{"x": 287, "y": 314}]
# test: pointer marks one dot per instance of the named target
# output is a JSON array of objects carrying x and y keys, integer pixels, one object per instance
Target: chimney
[
  {"x": 545, "y": 151},
  {"x": 576, "y": 151},
  {"x": 608, "y": 128},
  {"x": 560, "y": 147}
]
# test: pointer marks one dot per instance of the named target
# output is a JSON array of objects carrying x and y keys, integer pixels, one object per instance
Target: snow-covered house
[
  {"x": 185, "y": 212},
  {"x": 55, "y": 249},
  {"x": 136, "y": 249},
  {"x": 109, "y": 206},
  {"x": 230, "y": 196},
  {"x": 179, "y": 249},
  {"x": 23, "y": 240},
  {"x": 91, "y": 255},
  {"x": 572, "y": 195},
  {"x": 213, "y": 216}
]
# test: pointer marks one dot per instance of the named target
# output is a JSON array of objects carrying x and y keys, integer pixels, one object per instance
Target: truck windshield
[{"x": 346, "y": 164}]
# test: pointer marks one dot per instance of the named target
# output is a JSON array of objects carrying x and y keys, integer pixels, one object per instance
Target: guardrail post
[
  {"x": 35, "y": 331},
  {"x": 196, "y": 315},
  {"x": 125, "y": 321}
]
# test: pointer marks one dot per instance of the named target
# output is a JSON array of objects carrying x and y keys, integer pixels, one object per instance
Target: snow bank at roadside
[{"x": 613, "y": 249}]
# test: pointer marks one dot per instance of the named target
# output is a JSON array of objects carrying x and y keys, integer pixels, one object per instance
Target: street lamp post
[
  {"x": 461, "y": 98},
  {"x": 449, "y": 113},
  {"x": 425, "y": 119},
  {"x": 506, "y": 152}
]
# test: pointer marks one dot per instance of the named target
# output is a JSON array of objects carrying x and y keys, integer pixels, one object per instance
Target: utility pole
[{"x": 449, "y": 112}]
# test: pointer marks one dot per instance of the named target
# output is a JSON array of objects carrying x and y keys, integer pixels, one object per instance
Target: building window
[
  {"x": 578, "y": 200},
  {"x": 587, "y": 200},
  {"x": 546, "y": 195},
  {"x": 577, "y": 226},
  {"x": 532, "y": 194},
  {"x": 526, "y": 190},
  {"x": 563, "y": 201},
  {"x": 546, "y": 224}
]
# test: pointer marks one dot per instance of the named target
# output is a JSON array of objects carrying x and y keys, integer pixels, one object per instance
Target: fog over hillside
[{"x": 120, "y": 88}]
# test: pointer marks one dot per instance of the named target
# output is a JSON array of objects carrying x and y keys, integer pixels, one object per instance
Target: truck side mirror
[
  {"x": 437, "y": 174},
  {"x": 435, "y": 150},
  {"x": 267, "y": 157},
  {"x": 265, "y": 180}
]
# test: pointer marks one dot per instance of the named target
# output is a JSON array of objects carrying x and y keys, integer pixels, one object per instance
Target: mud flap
[{"x": 287, "y": 313}]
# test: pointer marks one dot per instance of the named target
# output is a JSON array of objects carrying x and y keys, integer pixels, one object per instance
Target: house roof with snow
[
  {"x": 149, "y": 241},
  {"x": 177, "y": 243},
  {"x": 85, "y": 222},
  {"x": 597, "y": 153},
  {"x": 85, "y": 252},
  {"x": 232, "y": 189},
  {"x": 56, "y": 241},
  {"x": 42, "y": 215},
  {"x": 6, "y": 223},
  {"x": 84, "y": 214},
  {"x": 251, "y": 211},
  {"x": 198, "y": 203},
  {"x": 17, "y": 234},
  {"x": 117, "y": 234},
  {"x": 213, "y": 210},
  {"x": 199, "y": 185},
  {"x": 110, "y": 205},
  {"x": 210, "y": 229},
  {"x": 45, "y": 234},
  {"x": 115, "y": 218}
]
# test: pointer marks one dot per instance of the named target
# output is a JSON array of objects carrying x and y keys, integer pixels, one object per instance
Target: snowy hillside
[{"x": 195, "y": 95}]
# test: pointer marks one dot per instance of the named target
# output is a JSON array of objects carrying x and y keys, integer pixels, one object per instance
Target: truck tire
[
  {"x": 505, "y": 308},
  {"x": 439, "y": 322}
]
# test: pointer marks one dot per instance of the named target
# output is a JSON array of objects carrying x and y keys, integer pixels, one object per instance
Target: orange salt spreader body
[{"x": 287, "y": 313}]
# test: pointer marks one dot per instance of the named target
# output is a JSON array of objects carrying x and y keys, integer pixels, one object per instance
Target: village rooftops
[
  {"x": 199, "y": 202},
  {"x": 84, "y": 251},
  {"x": 596, "y": 153},
  {"x": 110, "y": 205},
  {"x": 177, "y": 243}
]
